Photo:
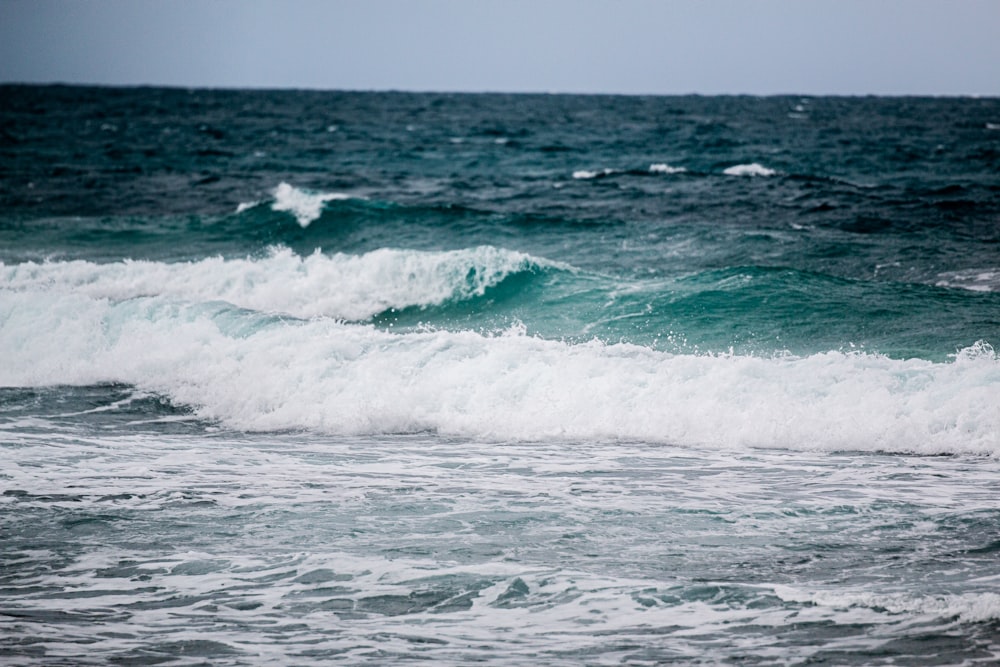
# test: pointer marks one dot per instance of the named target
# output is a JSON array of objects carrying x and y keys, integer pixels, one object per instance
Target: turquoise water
[{"x": 303, "y": 376}]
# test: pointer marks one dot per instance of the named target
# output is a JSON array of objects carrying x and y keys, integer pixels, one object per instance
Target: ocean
[{"x": 305, "y": 377}]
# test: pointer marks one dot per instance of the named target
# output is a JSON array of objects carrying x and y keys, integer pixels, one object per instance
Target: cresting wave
[
  {"x": 304, "y": 205},
  {"x": 347, "y": 287},
  {"x": 257, "y": 373}
]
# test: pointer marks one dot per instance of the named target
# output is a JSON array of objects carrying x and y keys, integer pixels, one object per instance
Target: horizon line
[{"x": 433, "y": 91}]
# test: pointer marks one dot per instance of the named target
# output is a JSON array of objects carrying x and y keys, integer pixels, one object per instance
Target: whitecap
[
  {"x": 975, "y": 280},
  {"x": 752, "y": 169},
  {"x": 585, "y": 174},
  {"x": 304, "y": 205},
  {"x": 663, "y": 168}
]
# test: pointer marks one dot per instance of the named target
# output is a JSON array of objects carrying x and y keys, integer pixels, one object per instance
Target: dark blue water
[{"x": 519, "y": 379}]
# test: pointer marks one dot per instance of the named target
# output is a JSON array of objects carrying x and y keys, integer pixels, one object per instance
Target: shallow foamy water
[{"x": 171, "y": 542}]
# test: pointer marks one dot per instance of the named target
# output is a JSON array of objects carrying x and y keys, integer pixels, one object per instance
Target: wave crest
[
  {"x": 305, "y": 205},
  {"x": 347, "y": 287},
  {"x": 264, "y": 374}
]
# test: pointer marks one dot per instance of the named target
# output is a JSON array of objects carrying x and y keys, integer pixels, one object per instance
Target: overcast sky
[{"x": 935, "y": 47}]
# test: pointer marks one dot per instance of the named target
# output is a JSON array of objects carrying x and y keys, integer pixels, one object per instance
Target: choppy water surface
[{"x": 352, "y": 377}]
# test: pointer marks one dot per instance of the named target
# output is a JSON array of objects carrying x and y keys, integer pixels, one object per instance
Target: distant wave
[
  {"x": 306, "y": 206},
  {"x": 657, "y": 168},
  {"x": 752, "y": 169},
  {"x": 663, "y": 168},
  {"x": 587, "y": 174},
  {"x": 983, "y": 280}
]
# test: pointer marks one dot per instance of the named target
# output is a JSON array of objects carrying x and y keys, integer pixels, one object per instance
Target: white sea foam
[
  {"x": 304, "y": 205},
  {"x": 326, "y": 376},
  {"x": 350, "y": 287},
  {"x": 663, "y": 168},
  {"x": 753, "y": 169},
  {"x": 968, "y": 607}
]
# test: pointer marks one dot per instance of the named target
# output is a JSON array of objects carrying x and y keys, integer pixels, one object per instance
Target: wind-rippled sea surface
[{"x": 366, "y": 378}]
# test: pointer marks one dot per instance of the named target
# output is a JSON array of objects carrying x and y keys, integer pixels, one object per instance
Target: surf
[{"x": 251, "y": 371}]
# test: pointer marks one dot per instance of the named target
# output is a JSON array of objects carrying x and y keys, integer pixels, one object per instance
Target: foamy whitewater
[{"x": 367, "y": 378}]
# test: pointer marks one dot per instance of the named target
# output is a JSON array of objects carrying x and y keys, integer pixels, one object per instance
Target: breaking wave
[
  {"x": 341, "y": 286},
  {"x": 258, "y": 373}
]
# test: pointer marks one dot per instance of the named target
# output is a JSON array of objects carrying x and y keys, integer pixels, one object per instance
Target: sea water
[{"x": 312, "y": 377}]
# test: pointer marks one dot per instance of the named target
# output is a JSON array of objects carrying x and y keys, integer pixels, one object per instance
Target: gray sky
[{"x": 936, "y": 47}]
